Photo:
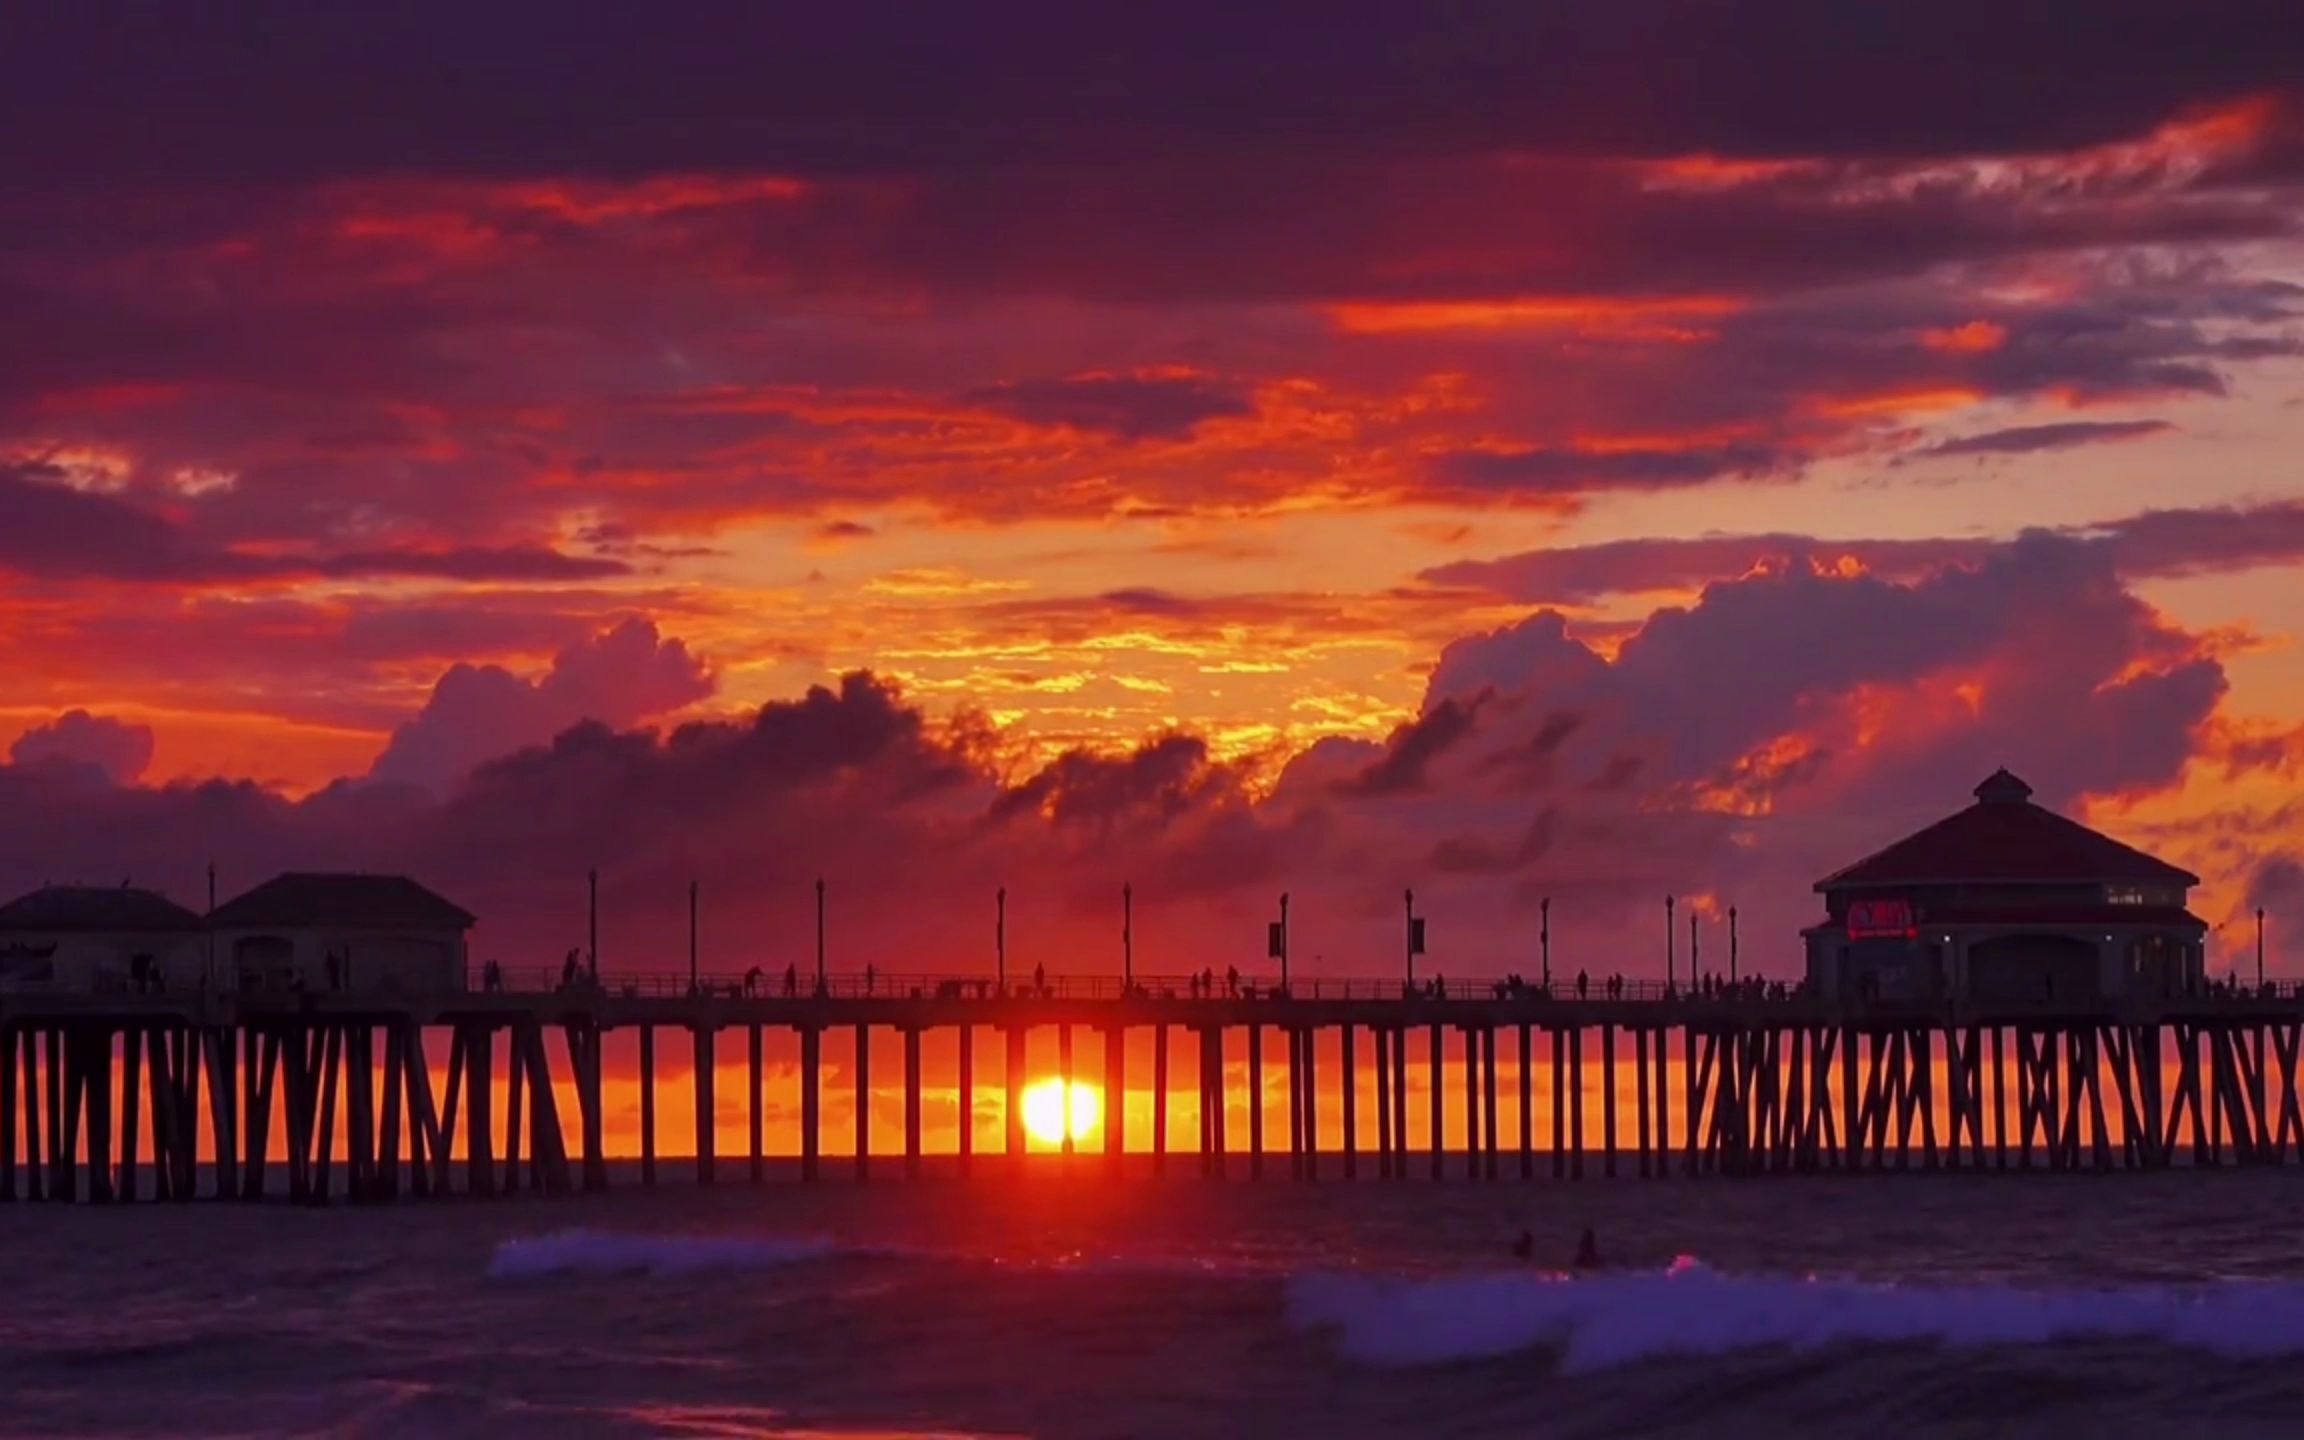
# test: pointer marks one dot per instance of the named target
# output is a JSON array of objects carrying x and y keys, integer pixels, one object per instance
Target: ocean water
[{"x": 2073, "y": 1306}]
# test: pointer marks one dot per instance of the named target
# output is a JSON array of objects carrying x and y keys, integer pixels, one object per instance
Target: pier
[{"x": 316, "y": 1097}]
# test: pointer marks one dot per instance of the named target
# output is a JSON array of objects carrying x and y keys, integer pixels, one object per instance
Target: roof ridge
[{"x": 2003, "y": 839}]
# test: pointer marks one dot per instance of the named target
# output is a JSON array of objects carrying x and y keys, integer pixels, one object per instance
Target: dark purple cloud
[
  {"x": 1409, "y": 755},
  {"x": 1574, "y": 574},
  {"x": 2030, "y": 439},
  {"x": 1546, "y": 471},
  {"x": 591, "y": 86},
  {"x": 2148, "y": 545},
  {"x": 48, "y": 528}
]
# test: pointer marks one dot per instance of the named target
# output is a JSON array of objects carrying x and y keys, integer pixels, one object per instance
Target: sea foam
[
  {"x": 605, "y": 1252},
  {"x": 1604, "y": 1320}
]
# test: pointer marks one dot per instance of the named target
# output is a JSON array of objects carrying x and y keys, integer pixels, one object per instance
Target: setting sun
[{"x": 1045, "y": 1117}]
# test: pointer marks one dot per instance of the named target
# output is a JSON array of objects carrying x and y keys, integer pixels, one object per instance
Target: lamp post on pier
[
  {"x": 1731, "y": 944},
  {"x": 1544, "y": 937},
  {"x": 592, "y": 922},
  {"x": 1415, "y": 935},
  {"x": 1695, "y": 970},
  {"x": 2259, "y": 947},
  {"x": 1668, "y": 939},
  {"x": 1276, "y": 942},
  {"x": 820, "y": 983},
  {"x": 1127, "y": 938},
  {"x": 1000, "y": 936},
  {"x": 691, "y": 937}
]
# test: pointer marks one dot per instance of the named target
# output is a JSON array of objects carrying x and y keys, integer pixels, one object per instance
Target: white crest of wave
[
  {"x": 607, "y": 1252},
  {"x": 1605, "y": 1320}
]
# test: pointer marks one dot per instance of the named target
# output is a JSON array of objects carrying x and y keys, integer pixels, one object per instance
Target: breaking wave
[
  {"x": 603, "y": 1252},
  {"x": 1601, "y": 1321}
]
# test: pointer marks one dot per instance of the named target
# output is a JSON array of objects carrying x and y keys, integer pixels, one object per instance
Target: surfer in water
[{"x": 1587, "y": 1251}]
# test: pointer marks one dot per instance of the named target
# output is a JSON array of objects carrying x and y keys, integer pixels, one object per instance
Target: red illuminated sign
[{"x": 1880, "y": 917}]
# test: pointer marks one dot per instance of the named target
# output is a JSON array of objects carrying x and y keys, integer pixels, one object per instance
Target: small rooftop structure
[
  {"x": 86, "y": 909},
  {"x": 97, "y": 938},
  {"x": 2006, "y": 839},
  {"x": 2006, "y": 900},
  {"x": 307, "y": 931},
  {"x": 303, "y": 898}
]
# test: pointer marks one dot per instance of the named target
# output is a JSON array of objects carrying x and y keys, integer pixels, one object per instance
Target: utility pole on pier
[
  {"x": 1127, "y": 938},
  {"x": 1668, "y": 957},
  {"x": 820, "y": 987},
  {"x": 592, "y": 920},
  {"x": 2259, "y": 947},
  {"x": 1544, "y": 936},
  {"x": 1731, "y": 944},
  {"x": 1695, "y": 970},
  {"x": 212, "y": 934},
  {"x": 1000, "y": 935},
  {"x": 691, "y": 937}
]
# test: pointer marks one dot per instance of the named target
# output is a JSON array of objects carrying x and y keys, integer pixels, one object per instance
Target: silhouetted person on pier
[
  {"x": 791, "y": 980},
  {"x": 568, "y": 964},
  {"x": 752, "y": 981},
  {"x": 871, "y": 977},
  {"x": 492, "y": 976},
  {"x": 1583, "y": 985},
  {"x": 1587, "y": 1251},
  {"x": 1232, "y": 980},
  {"x": 1040, "y": 978}
]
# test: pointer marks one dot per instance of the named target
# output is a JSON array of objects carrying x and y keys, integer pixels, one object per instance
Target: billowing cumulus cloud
[
  {"x": 117, "y": 750},
  {"x": 475, "y": 713},
  {"x": 1537, "y": 768}
]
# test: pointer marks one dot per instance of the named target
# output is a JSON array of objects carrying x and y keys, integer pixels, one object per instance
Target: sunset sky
[{"x": 1588, "y": 451}]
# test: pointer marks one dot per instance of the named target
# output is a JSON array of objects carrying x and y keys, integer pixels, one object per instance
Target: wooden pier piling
[
  {"x": 811, "y": 1101},
  {"x": 1255, "y": 1102},
  {"x": 754, "y": 1130},
  {"x": 1159, "y": 1100},
  {"x": 863, "y": 1169},
  {"x": 647, "y": 1105},
  {"x": 707, "y": 1130}
]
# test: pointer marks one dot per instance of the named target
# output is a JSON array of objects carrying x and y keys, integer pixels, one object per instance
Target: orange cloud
[
  {"x": 1974, "y": 338},
  {"x": 1589, "y": 315},
  {"x": 1899, "y": 400}
]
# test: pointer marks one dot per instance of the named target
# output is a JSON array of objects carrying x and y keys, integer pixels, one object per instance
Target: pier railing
[{"x": 896, "y": 985}]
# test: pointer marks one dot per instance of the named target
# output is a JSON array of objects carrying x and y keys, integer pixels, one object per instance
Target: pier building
[
  {"x": 2006, "y": 901},
  {"x": 358, "y": 934},
  {"x": 92, "y": 939}
]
